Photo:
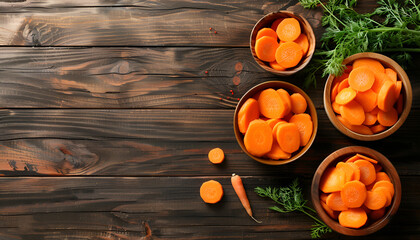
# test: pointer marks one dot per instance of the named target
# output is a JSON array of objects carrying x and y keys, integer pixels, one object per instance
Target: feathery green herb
[
  {"x": 348, "y": 32},
  {"x": 291, "y": 199}
]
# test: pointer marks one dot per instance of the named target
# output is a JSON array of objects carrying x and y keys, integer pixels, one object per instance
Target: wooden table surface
[{"x": 109, "y": 109}]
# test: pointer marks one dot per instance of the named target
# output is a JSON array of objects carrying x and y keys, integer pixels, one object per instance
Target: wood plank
[
  {"x": 136, "y": 77},
  {"x": 117, "y": 208},
  {"x": 162, "y": 143},
  {"x": 146, "y": 23}
]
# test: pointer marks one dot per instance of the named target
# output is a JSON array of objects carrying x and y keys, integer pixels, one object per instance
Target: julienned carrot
[
  {"x": 361, "y": 79},
  {"x": 353, "y": 218},
  {"x": 288, "y": 30},
  {"x": 248, "y": 112},
  {"x": 388, "y": 185},
  {"x": 332, "y": 180},
  {"x": 353, "y": 113},
  {"x": 333, "y": 214},
  {"x": 288, "y": 54},
  {"x": 353, "y": 194},
  {"x": 276, "y": 23},
  {"x": 367, "y": 99},
  {"x": 375, "y": 200},
  {"x": 211, "y": 191},
  {"x": 367, "y": 171},
  {"x": 276, "y": 153},
  {"x": 276, "y": 66},
  {"x": 335, "y": 202},
  {"x": 367, "y": 158},
  {"x": 286, "y": 98},
  {"x": 345, "y": 96},
  {"x": 370, "y": 63},
  {"x": 389, "y": 118},
  {"x": 265, "y": 48},
  {"x": 302, "y": 40},
  {"x": 299, "y": 103},
  {"x": 386, "y": 193},
  {"x": 216, "y": 155},
  {"x": 258, "y": 138},
  {"x": 271, "y": 104},
  {"x": 288, "y": 137},
  {"x": 240, "y": 191},
  {"x": 266, "y": 32},
  {"x": 305, "y": 126},
  {"x": 387, "y": 96}
]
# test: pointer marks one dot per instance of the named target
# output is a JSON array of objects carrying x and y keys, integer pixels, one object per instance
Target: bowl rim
[
  {"x": 312, "y": 42},
  {"x": 388, "y": 167},
  {"x": 407, "y": 90},
  {"x": 287, "y": 86}
]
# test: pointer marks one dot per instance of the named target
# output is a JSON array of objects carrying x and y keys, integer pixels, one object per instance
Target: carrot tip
[{"x": 255, "y": 220}]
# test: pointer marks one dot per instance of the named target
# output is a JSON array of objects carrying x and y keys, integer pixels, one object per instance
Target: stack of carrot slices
[
  {"x": 367, "y": 97},
  {"x": 356, "y": 191},
  {"x": 275, "y": 124},
  {"x": 283, "y": 45}
]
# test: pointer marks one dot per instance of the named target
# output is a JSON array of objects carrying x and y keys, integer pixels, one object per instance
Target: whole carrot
[{"x": 240, "y": 191}]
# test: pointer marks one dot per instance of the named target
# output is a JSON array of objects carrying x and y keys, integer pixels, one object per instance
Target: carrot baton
[{"x": 240, "y": 191}]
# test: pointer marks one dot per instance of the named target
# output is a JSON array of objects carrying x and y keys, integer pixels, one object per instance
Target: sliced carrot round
[
  {"x": 266, "y": 32},
  {"x": 288, "y": 54},
  {"x": 323, "y": 196},
  {"x": 380, "y": 78},
  {"x": 348, "y": 170},
  {"x": 389, "y": 118},
  {"x": 386, "y": 96},
  {"x": 391, "y": 74},
  {"x": 333, "y": 214},
  {"x": 353, "y": 113},
  {"x": 216, "y": 155},
  {"x": 211, "y": 191},
  {"x": 288, "y": 30},
  {"x": 304, "y": 123},
  {"x": 299, "y": 103},
  {"x": 353, "y": 218},
  {"x": 400, "y": 104},
  {"x": 335, "y": 202},
  {"x": 367, "y": 171},
  {"x": 353, "y": 194},
  {"x": 385, "y": 184},
  {"x": 332, "y": 180},
  {"x": 265, "y": 48},
  {"x": 345, "y": 96},
  {"x": 398, "y": 87},
  {"x": 373, "y": 64},
  {"x": 375, "y": 200},
  {"x": 288, "y": 137},
  {"x": 378, "y": 128},
  {"x": 273, "y": 121},
  {"x": 336, "y": 107},
  {"x": 248, "y": 112},
  {"x": 382, "y": 176},
  {"x": 274, "y": 132},
  {"x": 370, "y": 119},
  {"x": 258, "y": 139},
  {"x": 302, "y": 40},
  {"x": 355, "y": 128},
  {"x": 276, "y": 153},
  {"x": 276, "y": 23},
  {"x": 286, "y": 99},
  {"x": 271, "y": 104},
  {"x": 367, "y": 99},
  {"x": 386, "y": 193},
  {"x": 343, "y": 84},
  {"x": 276, "y": 66},
  {"x": 361, "y": 79},
  {"x": 356, "y": 175}
]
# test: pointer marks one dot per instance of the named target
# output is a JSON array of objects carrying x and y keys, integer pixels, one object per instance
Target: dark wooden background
[{"x": 107, "y": 115}]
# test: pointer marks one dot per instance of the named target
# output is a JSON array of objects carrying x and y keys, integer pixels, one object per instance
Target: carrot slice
[
  {"x": 258, "y": 139},
  {"x": 334, "y": 91},
  {"x": 378, "y": 128},
  {"x": 386, "y": 96},
  {"x": 391, "y": 74},
  {"x": 367, "y": 158},
  {"x": 341, "y": 78},
  {"x": 367, "y": 171},
  {"x": 367, "y": 99},
  {"x": 288, "y": 54},
  {"x": 285, "y": 97},
  {"x": 353, "y": 194},
  {"x": 385, "y": 184},
  {"x": 370, "y": 63},
  {"x": 216, "y": 155},
  {"x": 276, "y": 23},
  {"x": 348, "y": 170},
  {"x": 361, "y": 79},
  {"x": 353, "y": 218},
  {"x": 377, "y": 214},
  {"x": 288, "y": 30},
  {"x": 302, "y": 40},
  {"x": 370, "y": 119},
  {"x": 266, "y": 32},
  {"x": 352, "y": 159},
  {"x": 288, "y": 137},
  {"x": 336, "y": 107},
  {"x": 332, "y": 180},
  {"x": 400, "y": 104},
  {"x": 323, "y": 196},
  {"x": 335, "y": 202},
  {"x": 375, "y": 200},
  {"x": 343, "y": 84},
  {"x": 276, "y": 153},
  {"x": 345, "y": 96},
  {"x": 353, "y": 113},
  {"x": 211, "y": 191},
  {"x": 265, "y": 48},
  {"x": 333, "y": 214},
  {"x": 276, "y": 66},
  {"x": 389, "y": 118},
  {"x": 355, "y": 128},
  {"x": 274, "y": 132},
  {"x": 299, "y": 103},
  {"x": 386, "y": 193},
  {"x": 398, "y": 87},
  {"x": 356, "y": 175},
  {"x": 380, "y": 78},
  {"x": 382, "y": 176},
  {"x": 304, "y": 123},
  {"x": 273, "y": 121},
  {"x": 248, "y": 112},
  {"x": 271, "y": 104}
]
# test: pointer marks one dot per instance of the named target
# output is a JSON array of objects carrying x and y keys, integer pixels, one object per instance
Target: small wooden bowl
[
  {"x": 311, "y": 110},
  {"x": 340, "y": 155},
  {"x": 406, "y": 91},
  {"x": 306, "y": 28}
]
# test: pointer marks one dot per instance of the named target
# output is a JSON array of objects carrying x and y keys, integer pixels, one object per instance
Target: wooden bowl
[
  {"x": 406, "y": 91},
  {"x": 340, "y": 155},
  {"x": 311, "y": 110},
  {"x": 306, "y": 28}
]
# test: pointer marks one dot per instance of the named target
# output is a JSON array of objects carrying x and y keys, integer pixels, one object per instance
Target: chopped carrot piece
[
  {"x": 274, "y": 132},
  {"x": 367, "y": 158},
  {"x": 334, "y": 91},
  {"x": 258, "y": 139},
  {"x": 288, "y": 137},
  {"x": 271, "y": 104},
  {"x": 391, "y": 74},
  {"x": 332, "y": 180},
  {"x": 273, "y": 121},
  {"x": 304, "y": 123},
  {"x": 367, "y": 99},
  {"x": 288, "y": 30},
  {"x": 375, "y": 200},
  {"x": 345, "y": 96},
  {"x": 333, "y": 214},
  {"x": 386, "y": 96},
  {"x": 336, "y": 107},
  {"x": 265, "y": 48},
  {"x": 285, "y": 97},
  {"x": 299, "y": 103},
  {"x": 367, "y": 171},
  {"x": 389, "y": 118},
  {"x": 370, "y": 119},
  {"x": 356, "y": 175},
  {"x": 276, "y": 23},
  {"x": 353, "y": 113},
  {"x": 353, "y": 194},
  {"x": 352, "y": 159},
  {"x": 370, "y": 63},
  {"x": 382, "y": 176},
  {"x": 276, "y": 66},
  {"x": 343, "y": 84},
  {"x": 335, "y": 202},
  {"x": 353, "y": 218},
  {"x": 361, "y": 79},
  {"x": 276, "y": 153},
  {"x": 302, "y": 40},
  {"x": 288, "y": 54},
  {"x": 348, "y": 170},
  {"x": 378, "y": 128},
  {"x": 398, "y": 87},
  {"x": 386, "y": 193},
  {"x": 216, "y": 155},
  {"x": 377, "y": 214},
  {"x": 385, "y": 184},
  {"x": 211, "y": 191},
  {"x": 355, "y": 128},
  {"x": 266, "y": 32},
  {"x": 380, "y": 78},
  {"x": 248, "y": 112}
]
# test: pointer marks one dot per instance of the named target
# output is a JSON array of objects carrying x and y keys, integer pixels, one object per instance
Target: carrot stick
[
  {"x": 240, "y": 191},
  {"x": 216, "y": 155},
  {"x": 211, "y": 191}
]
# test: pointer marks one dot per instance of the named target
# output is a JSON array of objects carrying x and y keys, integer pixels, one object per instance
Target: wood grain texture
[
  {"x": 162, "y": 143},
  {"x": 117, "y": 208}
]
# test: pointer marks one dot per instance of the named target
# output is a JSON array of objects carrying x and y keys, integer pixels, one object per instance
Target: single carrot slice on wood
[
  {"x": 367, "y": 171},
  {"x": 332, "y": 180},
  {"x": 276, "y": 66},
  {"x": 369, "y": 63},
  {"x": 299, "y": 103},
  {"x": 353, "y": 194},
  {"x": 276, "y": 23},
  {"x": 276, "y": 153},
  {"x": 335, "y": 202},
  {"x": 323, "y": 196},
  {"x": 353, "y": 218},
  {"x": 248, "y": 112},
  {"x": 348, "y": 170},
  {"x": 271, "y": 104},
  {"x": 389, "y": 118},
  {"x": 378, "y": 128},
  {"x": 391, "y": 74},
  {"x": 304, "y": 123},
  {"x": 336, "y": 107},
  {"x": 285, "y": 97},
  {"x": 400, "y": 104},
  {"x": 216, "y": 155},
  {"x": 343, "y": 84},
  {"x": 334, "y": 91},
  {"x": 274, "y": 132},
  {"x": 361, "y": 79},
  {"x": 211, "y": 191},
  {"x": 266, "y": 32},
  {"x": 367, "y": 158},
  {"x": 288, "y": 54},
  {"x": 370, "y": 119},
  {"x": 345, "y": 96},
  {"x": 385, "y": 184},
  {"x": 333, "y": 214},
  {"x": 356, "y": 175},
  {"x": 302, "y": 40},
  {"x": 258, "y": 139},
  {"x": 288, "y": 30},
  {"x": 398, "y": 87},
  {"x": 362, "y": 129},
  {"x": 265, "y": 48},
  {"x": 377, "y": 214},
  {"x": 386, "y": 193},
  {"x": 375, "y": 200},
  {"x": 382, "y": 176},
  {"x": 386, "y": 96},
  {"x": 367, "y": 99},
  {"x": 380, "y": 78},
  {"x": 353, "y": 113},
  {"x": 288, "y": 137}
]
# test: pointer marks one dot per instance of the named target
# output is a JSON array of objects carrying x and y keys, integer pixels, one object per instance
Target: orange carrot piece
[
  {"x": 266, "y": 32},
  {"x": 276, "y": 66},
  {"x": 355, "y": 128},
  {"x": 370, "y": 63},
  {"x": 353, "y": 113},
  {"x": 348, "y": 170},
  {"x": 248, "y": 112},
  {"x": 238, "y": 186},
  {"x": 285, "y": 97},
  {"x": 305, "y": 125},
  {"x": 353, "y": 194},
  {"x": 265, "y": 48},
  {"x": 276, "y": 153},
  {"x": 274, "y": 132},
  {"x": 273, "y": 121},
  {"x": 388, "y": 185},
  {"x": 323, "y": 196},
  {"x": 211, "y": 191},
  {"x": 343, "y": 84},
  {"x": 382, "y": 176},
  {"x": 333, "y": 214},
  {"x": 288, "y": 137},
  {"x": 216, "y": 155},
  {"x": 361, "y": 79},
  {"x": 336, "y": 107},
  {"x": 367, "y": 99},
  {"x": 391, "y": 74},
  {"x": 375, "y": 200},
  {"x": 288, "y": 30},
  {"x": 299, "y": 103},
  {"x": 378, "y": 128},
  {"x": 386, "y": 193},
  {"x": 370, "y": 119},
  {"x": 352, "y": 159},
  {"x": 276, "y": 23},
  {"x": 332, "y": 180},
  {"x": 334, "y": 91},
  {"x": 302, "y": 40},
  {"x": 271, "y": 104},
  {"x": 367, "y": 171},
  {"x": 389, "y": 118},
  {"x": 356, "y": 175},
  {"x": 335, "y": 202},
  {"x": 377, "y": 214},
  {"x": 398, "y": 87},
  {"x": 400, "y": 104},
  {"x": 288, "y": 54},
  {"x": 353, "y": 218},
  {"x": 367, "y": 158},
  {"x": 258, "y": 139},
  {"x": 345, "y": 96},
  {"x": 386, "y": 96},
  {"x": 380, "y": 78}
]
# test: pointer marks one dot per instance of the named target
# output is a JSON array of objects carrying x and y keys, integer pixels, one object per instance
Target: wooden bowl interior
[
  {"x": 406, "y": 91},
  {"x": 291, "y": 89},
  {"x": 340, "y": 155},
  {"x": 306, "y": 28}
]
